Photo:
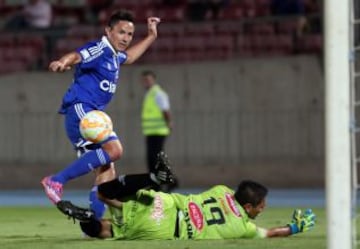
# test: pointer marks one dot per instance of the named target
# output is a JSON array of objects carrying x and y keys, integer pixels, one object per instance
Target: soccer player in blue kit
[{"x": 97, "y": 68}]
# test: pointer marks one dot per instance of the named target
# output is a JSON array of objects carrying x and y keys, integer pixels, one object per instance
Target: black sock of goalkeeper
[
  {"x": 91, "y": 228},
  {"x": 125, "y": 185}
]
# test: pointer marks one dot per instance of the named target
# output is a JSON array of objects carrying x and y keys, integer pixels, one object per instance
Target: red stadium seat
[
  {"x": 141, "y": 13},
  {"x": 285, "y": 44},
  {"x": 7, "y": 40},
  {"x": 229, "y": 28},
  {"x": 243, "y": 45},
  {"x": 249, "y": 8},
  {"x": 31, "y": 40},
  {"x": 164, "y": 44},
  {"x": 220, "y": 46},
  {"x": 170, "y": 14},
  {"x": 65, "y": 45},
  {"x": 311, "y": 43},
  {"x": 188, "y": 56},
  {"x": 287, "y": 26},
  {"x": 10, "y": 66},
  {"x": 232, "y": 12},
  {"x": 261, "y": 28},
  {"x": 190, "y": 43},
  {"x": 220, "y": 41},
  {"x": 263, "y": 7},
  {"x": 82, "y": 31},
  {"x": 67, "y": 14},
  {"x": 126, "y": 3},
  {"x": 27, "y": 54},
  {"x": 257, "y": 44},
  {"x": 155, "y": 56},
  {"x": 202, "y": 29},
  {"x": 174, "y": 29}
]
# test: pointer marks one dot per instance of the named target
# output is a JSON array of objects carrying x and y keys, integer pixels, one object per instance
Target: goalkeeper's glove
[{"x": 302, "y": 222}]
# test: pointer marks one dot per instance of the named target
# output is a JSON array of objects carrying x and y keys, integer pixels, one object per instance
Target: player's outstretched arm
[
  {"x": 300, "y": 223},
  {"x": 135, "y": 51},
  {"x": 65, "y": 62},
  {"x": 278, "y": 232}
]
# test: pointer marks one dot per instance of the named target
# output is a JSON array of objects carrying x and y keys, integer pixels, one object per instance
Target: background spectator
[
  {"x": 291, "y": 8},
  {"x": 35, "y": 14},
  {"x": 96, "y": 9},
  {"x": 196, "y": 10},
  {"x": 156, "y": 118}
]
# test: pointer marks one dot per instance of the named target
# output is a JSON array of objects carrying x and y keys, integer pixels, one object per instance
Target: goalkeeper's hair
[
  {"x": 119, "y": 15},
  {"x": 250, "y": 192}
]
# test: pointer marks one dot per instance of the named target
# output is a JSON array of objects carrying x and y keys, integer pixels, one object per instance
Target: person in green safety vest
[{"x": 156, "y": 118}]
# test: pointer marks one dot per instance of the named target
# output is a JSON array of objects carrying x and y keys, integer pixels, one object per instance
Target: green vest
[{"x": 153, "y": 121}]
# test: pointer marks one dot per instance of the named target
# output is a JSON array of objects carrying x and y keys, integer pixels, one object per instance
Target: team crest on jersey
[
  {"x": 196, "y": 216},
  {"x": 157, "y": 213},
  {"x": 232, "y": 205}
]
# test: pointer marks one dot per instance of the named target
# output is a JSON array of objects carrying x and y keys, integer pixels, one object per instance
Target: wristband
[{"x": 293, "y": 228}]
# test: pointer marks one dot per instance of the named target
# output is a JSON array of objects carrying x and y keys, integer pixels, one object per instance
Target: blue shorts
[{"x": 73, "y": 116}]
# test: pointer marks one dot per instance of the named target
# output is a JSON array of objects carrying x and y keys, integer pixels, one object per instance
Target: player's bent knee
[
  {"x": 114, "y": 149},
  {"x": 91, "y": 228}
]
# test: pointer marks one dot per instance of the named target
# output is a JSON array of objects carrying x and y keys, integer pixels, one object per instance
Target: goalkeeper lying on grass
[{"x": 218, "y": 213}]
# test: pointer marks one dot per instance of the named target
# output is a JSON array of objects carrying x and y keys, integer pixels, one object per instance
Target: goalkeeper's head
[{"x": 251, "y": 196}]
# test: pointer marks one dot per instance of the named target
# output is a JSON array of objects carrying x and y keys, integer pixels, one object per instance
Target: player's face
[
  {"x": 253, "y": 211},
  {"x": 147, "y": 81},
  {"x": 120, "y": 35}
]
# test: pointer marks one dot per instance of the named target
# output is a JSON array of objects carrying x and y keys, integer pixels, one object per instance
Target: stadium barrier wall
[{"x": 249, "y": 118}]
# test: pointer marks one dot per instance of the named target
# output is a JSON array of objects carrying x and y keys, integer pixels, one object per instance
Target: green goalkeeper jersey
[{"x": 213, "y": 214}]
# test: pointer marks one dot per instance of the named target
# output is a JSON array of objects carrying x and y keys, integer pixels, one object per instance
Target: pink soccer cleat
[{"x": 53, "y": 189}]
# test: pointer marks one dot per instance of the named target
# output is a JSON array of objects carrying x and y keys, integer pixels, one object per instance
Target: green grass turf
[{"x": 47, "y": 228}]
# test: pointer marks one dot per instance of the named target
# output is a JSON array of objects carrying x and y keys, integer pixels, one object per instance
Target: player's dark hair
[
  {"x": 120, "y": 15},
  {"x": 250, "y": 192},
  {"x": 148, "y": 72}
]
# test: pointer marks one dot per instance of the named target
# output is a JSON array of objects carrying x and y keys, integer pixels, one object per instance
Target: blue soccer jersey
[{"x": 96, "y": 76}]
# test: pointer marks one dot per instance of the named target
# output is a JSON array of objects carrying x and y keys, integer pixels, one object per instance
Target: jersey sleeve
[
  {"x": 261, "y": 233},
  {"x": 252, "y": 231},
  {"x": 122, "y": 57},
  {"x": 162, "y": 100},
  {"x": 90, "y": 55}
]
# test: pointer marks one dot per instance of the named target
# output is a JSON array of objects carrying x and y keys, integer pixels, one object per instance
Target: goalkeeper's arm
[
  {"x": 299, "y": 223},
  {"x": 278, "y": 232}
]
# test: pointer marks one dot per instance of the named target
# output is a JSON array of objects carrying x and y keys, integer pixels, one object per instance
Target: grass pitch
[{"x": 47, "y": 228}]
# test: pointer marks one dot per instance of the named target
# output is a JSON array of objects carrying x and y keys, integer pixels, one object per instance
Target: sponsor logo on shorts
[
  {"x": 196, "y": 216},
  {"x": 157, "y": 213},
  {"x": 232, "y": 205}
]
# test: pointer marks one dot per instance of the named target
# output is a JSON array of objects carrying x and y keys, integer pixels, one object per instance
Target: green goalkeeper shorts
[{"x": 149, "y": 215}]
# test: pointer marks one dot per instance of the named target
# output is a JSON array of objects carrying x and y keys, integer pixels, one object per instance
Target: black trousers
[{"x": 154, "y": 144}]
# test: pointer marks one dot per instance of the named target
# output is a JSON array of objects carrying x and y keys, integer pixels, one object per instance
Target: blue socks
[
  {"x": 83, "y": 165},
  {"x": 95, "y": 204}
]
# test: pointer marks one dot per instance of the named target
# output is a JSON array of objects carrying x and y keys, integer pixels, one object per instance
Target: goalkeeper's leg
[{"x": 127, "y": 185}]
